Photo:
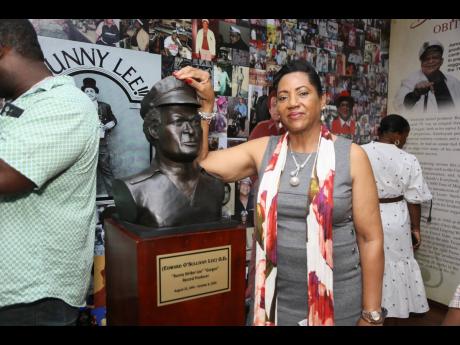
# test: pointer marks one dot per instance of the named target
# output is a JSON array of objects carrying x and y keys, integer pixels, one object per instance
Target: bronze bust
[{"x": 174, "y": 190}]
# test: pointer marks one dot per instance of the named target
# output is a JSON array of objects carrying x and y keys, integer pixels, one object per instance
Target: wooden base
[{"x": 132, "y": 277}]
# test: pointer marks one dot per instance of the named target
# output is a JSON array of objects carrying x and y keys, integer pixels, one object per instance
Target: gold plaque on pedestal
[{"x": 193, "y": 274}]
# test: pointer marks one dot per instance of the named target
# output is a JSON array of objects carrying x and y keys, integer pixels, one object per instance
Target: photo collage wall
[{"x": 242, "y": 56}]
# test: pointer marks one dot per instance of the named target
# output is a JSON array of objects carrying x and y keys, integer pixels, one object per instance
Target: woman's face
[{"x": 298, "y": 102}]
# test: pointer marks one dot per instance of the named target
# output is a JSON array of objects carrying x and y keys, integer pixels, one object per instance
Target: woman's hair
[
  {"x": 299, "y": 66},
  {"x": 393, "y": 123}
]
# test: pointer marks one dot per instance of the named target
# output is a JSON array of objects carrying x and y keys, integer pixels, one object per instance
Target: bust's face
[{"x": 180, "y": 132}]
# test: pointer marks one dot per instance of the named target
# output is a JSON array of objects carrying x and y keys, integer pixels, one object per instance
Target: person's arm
[
  {"x": 415, "y": 215},
  {"x": 12, "y": 181},
  {"x": 369, "y": 232},
  {"x": 231, "y": 164},
  {"x": 112, "y": 119}
]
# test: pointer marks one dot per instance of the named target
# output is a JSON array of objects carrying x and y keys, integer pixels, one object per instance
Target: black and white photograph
[{"x": 116, "y": 90}]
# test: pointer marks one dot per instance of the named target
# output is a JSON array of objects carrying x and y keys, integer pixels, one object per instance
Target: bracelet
[{"x": 207, "y": 116}]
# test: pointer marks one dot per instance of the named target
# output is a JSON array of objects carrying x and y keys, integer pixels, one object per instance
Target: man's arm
[
  {"x": 12, "y": 181},
  {"x": 111, "y": 119}
]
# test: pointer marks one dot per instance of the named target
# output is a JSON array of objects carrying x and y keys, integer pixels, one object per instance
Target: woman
[
  {"x": 283, "y": 295},
  {"x": 401, "y": 189}
]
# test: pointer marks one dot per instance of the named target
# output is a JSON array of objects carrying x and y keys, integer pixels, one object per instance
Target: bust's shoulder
[{"x": 142, "y": 176}]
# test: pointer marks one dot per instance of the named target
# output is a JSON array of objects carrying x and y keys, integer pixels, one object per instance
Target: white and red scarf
[{"x": 319, "y": 236}]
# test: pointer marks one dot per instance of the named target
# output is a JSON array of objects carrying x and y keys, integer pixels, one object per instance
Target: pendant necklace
[{"x": 294, "y": 180}]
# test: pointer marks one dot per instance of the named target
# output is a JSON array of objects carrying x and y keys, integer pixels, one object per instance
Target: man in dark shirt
[
  {"x": 236, "y": 41},
  {"x": 174, "y": 190},
  {"x": 109, "y": 34},
  {"x": 108, "y": 122}
]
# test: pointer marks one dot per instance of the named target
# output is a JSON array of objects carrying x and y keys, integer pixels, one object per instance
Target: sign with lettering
[
  {"x": 120, "y": 78},
  {"x": 193, "y": 274},
  {"x": 425, "y": 55}
]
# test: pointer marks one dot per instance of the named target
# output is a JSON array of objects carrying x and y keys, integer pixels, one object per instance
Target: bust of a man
[{"x": 174, "y": 190}]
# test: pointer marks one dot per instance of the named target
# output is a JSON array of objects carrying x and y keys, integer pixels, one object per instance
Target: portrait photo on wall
[
  {"x": 99, "y": 31},
  {"x": 222, "y": 79},
  {"x": 225, "y": 56},
  {"x": 257, "y": 77},
  {"x": 116, "y": 90},
  {"x": 258, "y": 111},
  {"x": 244, "y": 202},
  {"x": 205, "y": 39},
  {"x": 171, "y": 37},
  {"x": 233, "y": 36},
  {"x": 237, "y": 117},
  {"x": 219, "y": 122},
  {"x": 240, "y": 81},
  {"x": 240, "y": 57},
  {"x": 134, "y": 34},
  {"x": 258, "y": 37}
]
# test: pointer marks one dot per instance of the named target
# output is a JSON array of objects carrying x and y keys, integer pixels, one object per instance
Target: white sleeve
[{"x": 417, "y": 190}]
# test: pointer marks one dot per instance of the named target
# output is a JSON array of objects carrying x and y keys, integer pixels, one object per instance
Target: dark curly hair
[{"x": 393, "y": 123}]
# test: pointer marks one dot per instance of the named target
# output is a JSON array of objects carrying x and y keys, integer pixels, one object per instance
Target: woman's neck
[
  {"x": 385, "y": 140},
  {"x": 306, "y": 141}
]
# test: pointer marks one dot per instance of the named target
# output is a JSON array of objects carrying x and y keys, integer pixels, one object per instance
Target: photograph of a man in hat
[
  {"x": 174, "y": 190},
  {"x": 344, "y": 125},
  {"x": 107, "y": 122},
  {"x": 140, "y": 39},
  {"x": 428, "y": 89},
  {"x": 236, "y": 40},
  {"x": 205, "y": 42},
  {"x": 172, "y": 44}
]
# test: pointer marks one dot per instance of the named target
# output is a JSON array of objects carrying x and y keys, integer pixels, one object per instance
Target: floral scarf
[{"x": 319, "y": 236}]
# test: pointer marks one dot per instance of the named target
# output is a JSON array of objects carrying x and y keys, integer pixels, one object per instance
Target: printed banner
[
  {"x": 120, "y": 79},
  {"x": 424, "y": 87}
]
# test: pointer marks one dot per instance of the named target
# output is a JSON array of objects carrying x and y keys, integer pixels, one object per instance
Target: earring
[
  {"x": 396, "y": 142},
  {"x": 323, "y": 115}
]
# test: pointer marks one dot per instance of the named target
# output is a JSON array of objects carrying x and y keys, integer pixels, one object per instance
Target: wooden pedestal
[{"x": 133, "y": 280}]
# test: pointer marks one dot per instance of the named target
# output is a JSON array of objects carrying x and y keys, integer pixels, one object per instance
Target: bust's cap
[{"x": 169, "y": 90}]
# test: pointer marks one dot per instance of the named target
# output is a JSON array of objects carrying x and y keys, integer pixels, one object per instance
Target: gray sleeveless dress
[{"x": 292, "y": 257}]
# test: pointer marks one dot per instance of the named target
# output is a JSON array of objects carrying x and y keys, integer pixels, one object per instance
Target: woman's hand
[
  {"x": 362, "y": 322},
  {"x": 200, "y": 80}
]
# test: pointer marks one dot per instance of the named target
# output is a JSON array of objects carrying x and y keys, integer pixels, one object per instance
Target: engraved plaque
[{"x": 193, "y": 274}]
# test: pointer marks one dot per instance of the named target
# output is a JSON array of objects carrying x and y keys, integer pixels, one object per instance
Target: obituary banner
[
  {"x": 122, "y": 78},
  {"x": 424, "y": 87}
]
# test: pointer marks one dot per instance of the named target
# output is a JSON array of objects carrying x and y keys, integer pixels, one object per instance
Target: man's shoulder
[
  {"x": 61, "y": 98},
  {"x": 67, "y": 91},
  {"x": 103, "y": 104}
]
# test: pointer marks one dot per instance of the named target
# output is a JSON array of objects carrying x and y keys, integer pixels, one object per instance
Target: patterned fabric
[
  {"x": 319, "y": 236},
  {"x": 397, "y": 173},
  {"x": 47, "y": 235}
]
